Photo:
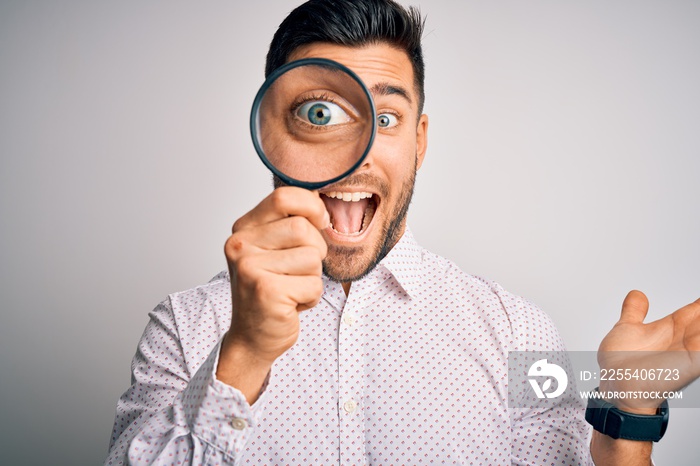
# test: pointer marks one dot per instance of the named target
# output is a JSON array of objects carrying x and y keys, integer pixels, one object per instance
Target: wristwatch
[{"x": 615, "y": 423}]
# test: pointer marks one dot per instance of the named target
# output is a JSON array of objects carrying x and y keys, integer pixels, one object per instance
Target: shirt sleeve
[
  {"x": 558, "y": 433},
  {"x": 168, "y": 417}
]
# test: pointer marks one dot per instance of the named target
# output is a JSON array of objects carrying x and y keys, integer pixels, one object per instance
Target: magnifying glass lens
[{"x": 313, "y": 123}]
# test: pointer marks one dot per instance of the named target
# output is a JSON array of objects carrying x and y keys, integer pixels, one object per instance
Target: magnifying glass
[{"x": 313, "y": 122}]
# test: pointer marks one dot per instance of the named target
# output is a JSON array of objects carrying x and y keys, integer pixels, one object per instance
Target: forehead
[{"x": 374, "y": 64}]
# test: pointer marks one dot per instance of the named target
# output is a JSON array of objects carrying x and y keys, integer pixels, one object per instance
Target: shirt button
[
  {"x": 238, "y": 423},
  {"x": 349, "y": 320},
  {"x": 350, "y": 406}
]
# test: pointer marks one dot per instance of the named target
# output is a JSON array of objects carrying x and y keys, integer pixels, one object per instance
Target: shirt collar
[{"x": 402, "y": 263}]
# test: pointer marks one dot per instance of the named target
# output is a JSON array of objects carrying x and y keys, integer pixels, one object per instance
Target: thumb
[{"x": 634, "y": 307}]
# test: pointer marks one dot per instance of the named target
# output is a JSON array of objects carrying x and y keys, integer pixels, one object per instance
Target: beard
[{"x": 351, "y": 263}]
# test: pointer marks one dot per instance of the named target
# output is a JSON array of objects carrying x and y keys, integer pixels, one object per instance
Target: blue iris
[{"x": 319, "y": 114}]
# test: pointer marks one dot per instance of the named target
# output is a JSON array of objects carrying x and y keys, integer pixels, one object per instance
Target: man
[{"x": 334, "y": 337}]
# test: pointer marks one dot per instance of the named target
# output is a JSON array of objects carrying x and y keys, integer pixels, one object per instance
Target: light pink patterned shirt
[{"x": 410, "y": 368}]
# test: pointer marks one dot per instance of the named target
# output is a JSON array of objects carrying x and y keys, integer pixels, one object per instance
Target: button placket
[{"x": 350, "y": 389}]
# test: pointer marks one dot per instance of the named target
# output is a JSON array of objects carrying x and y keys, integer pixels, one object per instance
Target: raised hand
[
  {"x": 275, "y": 258},
  {"x": 670, "y": 347}
]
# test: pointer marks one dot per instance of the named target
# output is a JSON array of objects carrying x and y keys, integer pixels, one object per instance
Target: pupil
[{"x": 319, "y": 114}]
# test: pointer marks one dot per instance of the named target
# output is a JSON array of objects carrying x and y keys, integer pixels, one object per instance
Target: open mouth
[{"x": 351, "y": 212}]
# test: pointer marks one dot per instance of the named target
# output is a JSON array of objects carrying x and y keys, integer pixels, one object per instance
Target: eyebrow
[{"x": 389, "y": 89}]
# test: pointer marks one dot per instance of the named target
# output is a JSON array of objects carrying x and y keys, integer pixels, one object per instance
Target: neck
[{"x": 346, "y": 287}]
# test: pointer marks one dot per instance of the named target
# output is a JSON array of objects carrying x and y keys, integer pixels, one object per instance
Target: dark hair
[{"x": 352, "y": 23}]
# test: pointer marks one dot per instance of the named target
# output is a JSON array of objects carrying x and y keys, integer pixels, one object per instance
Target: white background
[{"x": 563, "y": 162}]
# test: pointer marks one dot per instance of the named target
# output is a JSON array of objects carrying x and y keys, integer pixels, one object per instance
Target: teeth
[{"x": 348, "y": 197}]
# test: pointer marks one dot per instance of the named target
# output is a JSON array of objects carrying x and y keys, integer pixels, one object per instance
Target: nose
[{"x": 369, "y": 158}]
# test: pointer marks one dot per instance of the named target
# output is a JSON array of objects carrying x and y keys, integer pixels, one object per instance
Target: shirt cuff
[{"x": 217, "y": 413}]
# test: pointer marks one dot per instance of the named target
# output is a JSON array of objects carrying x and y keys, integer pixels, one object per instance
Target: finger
[
  {"x": 286, "y": 233},
  {"x": 686, "y": 315},
  {"x": 286, "y": 201},
  {"x": 272, "y": 292},
  {"x": 634, "y": 307},
  {"x": 303, "y": 290},
  {"x": 301, "y": 261},
  {"x": 306, "y": 306}
]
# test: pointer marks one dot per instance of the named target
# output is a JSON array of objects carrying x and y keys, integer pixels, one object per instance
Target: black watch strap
[{"x": 615, "y": 423}]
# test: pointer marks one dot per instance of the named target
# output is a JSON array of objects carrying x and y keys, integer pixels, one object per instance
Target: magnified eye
[
  {"x": 387, "y": 120},
  {"x": 322, "y": 113}
]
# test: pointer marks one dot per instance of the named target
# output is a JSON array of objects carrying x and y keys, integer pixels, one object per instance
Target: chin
[{"x": 347, "y": 263}]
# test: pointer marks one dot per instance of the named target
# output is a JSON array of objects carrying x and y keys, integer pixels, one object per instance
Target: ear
[{"x": 421, "y": 139}]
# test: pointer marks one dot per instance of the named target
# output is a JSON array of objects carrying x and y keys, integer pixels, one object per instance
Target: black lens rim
[{"x": 256, "y": 110}]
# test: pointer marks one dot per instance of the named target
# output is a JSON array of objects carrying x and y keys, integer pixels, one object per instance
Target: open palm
[{"x": 670, "y": 347}]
